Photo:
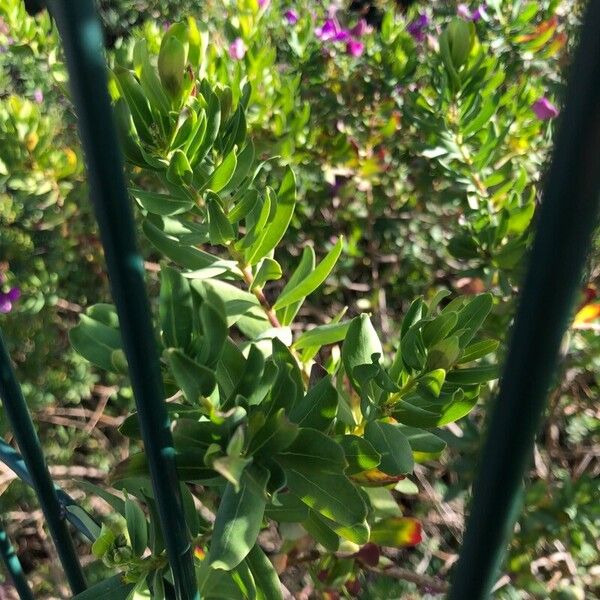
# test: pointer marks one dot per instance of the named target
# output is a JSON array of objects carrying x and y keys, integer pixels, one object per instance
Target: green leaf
[
  {"x": 322, "y": 534},
  {"x": 360, "y": 454},
  {"x": 314, "y": 466},
  {"x": 444, "y": 354},
  {"x": 118, "y": 504},
  {"x": 478, "y": 350},
  {"x": 109, "y": 589},
  {"x": 232, "y": 468},
  {"x": 310, "y": 283},
  {"x": 220, "y": 230},
  {"x": 214, "y": 328},
  {"x": 221, "y": 176},
  {"x": 104, "y": 542},
  {"x": 472, "y": 316},
  {"x": 392, "y": 445},
  {"x": 423, "y": 441},
  {"x": 175, "y": 308},
  {"x": 243, "y": 207},
  {"x": 137, "y": 103},
  {"x": 179, "y": 170},
  {"x": 137, "y": 528},
  {"x": 161, "y": 204},
  {"x": 318, "y": 407},
  {"x": 312, "y": 340},
  {"x": 213, "y": 123},
  {"x": 265, "y": 576},
  {"x": 383, "y": 502},
  {"x": 93, "y": 529},
  {"x": 436, "y": 330},
  {"x": 277, "y": 226},
  {"x": 183, "y": 254},
  {"x": 277, "y": 433},
  {"x": 360, "y": 345},
  {"x": 473, "y": 375},
  {"x": 245, "y": 159},
  {"x": 238, "y": 522},
  {"x": 269, "y": 270},
  {"x": 456, "y": 410},
  {"x": 95, "y": 341},
  {"x": 305, "y": 267},
  {"x": 195, "y": 380},
  {"x": 171, "y": 64},
  {"x": 414, "y": 353},
  {"x": 148, "y": 78}
]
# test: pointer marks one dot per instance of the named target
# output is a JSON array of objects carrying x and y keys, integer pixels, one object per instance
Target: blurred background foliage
[{"x": 432, "y": 175}]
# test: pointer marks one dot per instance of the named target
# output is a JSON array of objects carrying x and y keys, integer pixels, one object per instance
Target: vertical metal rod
[
  {"x": 33, "y": 455},
  {"x": 568, "y": 216},
  {"x": 14, "y": 461},
  {"x": 82, "y": 38},
  {"x": 13, "y": 566}
]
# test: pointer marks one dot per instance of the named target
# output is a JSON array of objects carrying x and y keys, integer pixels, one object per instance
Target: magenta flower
[
  {"x": 237, "y": 49},
  {"x": 479, "y": 13},
  {"x": 355, "y": 48},
  {"x": 342, "y": 36},
  {"x": 417, "y": 27},
  {"x": 263, "y": 3},
  {"x": 291, "y": 16},
  {"x": 38, "y": 96},
  {"x": 462, "y": 10},
  {"x": 360, "y": 29},
  {"x": 8, "y": 299},
  {"x": 544, "y": 109},
  {"x": 328, "y": 31}
]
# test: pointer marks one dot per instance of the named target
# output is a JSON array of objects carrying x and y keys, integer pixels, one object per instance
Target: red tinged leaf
[
  {"x": 397, "y": 532},
  {"x": 353, "y": 587},
  {"x": 375, "y": 478},
  {"x": 587, "y": 313},
  {"x": 542, "y": 28},
  {"x": 369, "y": 555}
]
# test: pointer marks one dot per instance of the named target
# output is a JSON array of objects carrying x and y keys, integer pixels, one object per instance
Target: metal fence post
[
  {"x": 13, "y": 566},
  {"x": 568, "y": 216},
  {"x": 33, "y": 455},
  {"x": 81, "y": 34}
]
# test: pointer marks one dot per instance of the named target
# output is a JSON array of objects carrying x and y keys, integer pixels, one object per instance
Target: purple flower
[
  {"x": 8, "y": 299},
  {"x": 328, "y": 30},
  {"x": 479, "y": 13},
  {"x": 291, "y": 16},
  {"x": 462, "y": 10},
  {"x": 342, "y": 36},
  {"x": 417, "y": 27},
  {"x": 544, "y": 109},
  {"x": 263, "y": 3},
  {"x": 237, "y": 49},
  {"x": 355, "y": 48},
  {"x": 38, "y": 96},
  {"x": 360, "y": 29}
]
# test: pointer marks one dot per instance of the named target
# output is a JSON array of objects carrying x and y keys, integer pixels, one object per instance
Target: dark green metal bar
[
  {"x": 82, "y": 37},
  {"x": 13, "y": 566},
  {"x": 33, "y": 455},
  {"x": 567, "y": 218},
  {"x": 14, "y": 461}
]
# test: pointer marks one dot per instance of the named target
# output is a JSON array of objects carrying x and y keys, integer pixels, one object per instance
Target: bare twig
[{"x": 425, "y": 582}]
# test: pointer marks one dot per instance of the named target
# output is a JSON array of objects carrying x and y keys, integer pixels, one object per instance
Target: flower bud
[{"x": 171, "y": 65}]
